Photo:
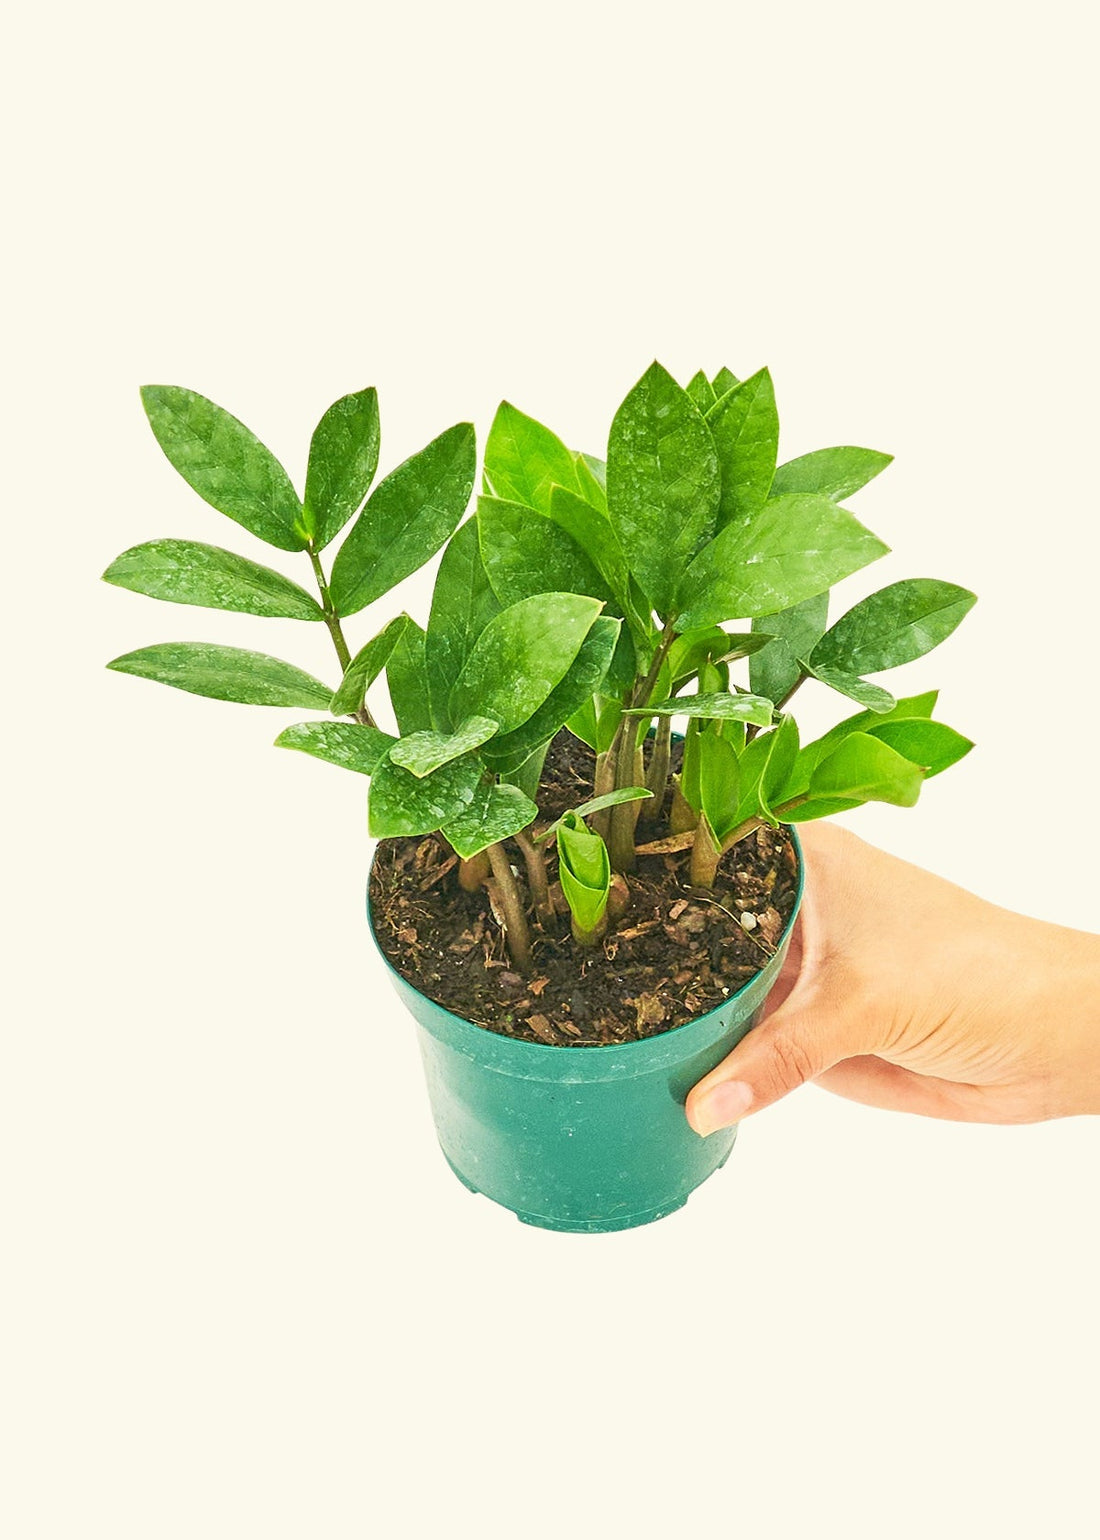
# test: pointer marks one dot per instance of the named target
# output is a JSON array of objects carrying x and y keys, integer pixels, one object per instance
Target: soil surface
[{"x": 676, "y": 953}]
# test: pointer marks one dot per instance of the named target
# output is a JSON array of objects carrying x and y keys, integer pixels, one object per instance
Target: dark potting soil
[{"x": 676, "y": 953}]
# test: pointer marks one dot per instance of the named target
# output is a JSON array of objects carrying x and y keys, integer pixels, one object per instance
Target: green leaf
[
  {"x": 528, "y": 775},
  {"x": 366, "y": 666},
  {"x": 582, "y": 724},
  {"x": 851, "y": 685},
  {"x": 689, "y": 773},
  {"x": 835, "y": 473},
  {"x": 523, "y": 460},
  {"x": 597, "y": 805},
  {"x": 584, "y": 870},
  {"x": 719, "y": 706},
  {"x": 783, "y": 748},
  {"x": 893, "y": 626},
  {"x": 792, "y": 548},
  {"x": 592, "y": 480},
  {"x": 225, "y": 673},
  {"x": 663, "y": 483},
  {"x": 719, "y": 783},
  {"x": 188, "y": 572},
  {"x": 579, "y": 684},
  {"x": 347, "y": 744},
  {"x": 424, "y": 752},
  {"x": 463, "y": 603},
  {"x": 525, "y": 553},
  {"x": 811, "y": 754},
  {"x": 407, "y": 518},
  {"x": 701, "y": 392},
  {"x": 864, "y": 769},
  {"x": 932, "y": 745},
  {"x": 404, "y": 804},
  {"x": 343, "y": 457},
  {"x": 745, "y": 427},
  {"x": 226, "y": 464},
  {"x": 522, "y": 654},
  {"x": 407, "y": 678},
  {"x": 724, "y": 381},
  {"x": 496, "y": 814},
  {"x": 796, "y": 632},
  {"x": 592, "y": 532}
]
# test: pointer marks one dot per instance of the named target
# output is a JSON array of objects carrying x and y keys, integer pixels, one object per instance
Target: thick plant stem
[
  {"x": 657, "y": 777},
  {"x": 516, "y": 933},
  {"x": 590, "y": 937},
  {"x": 604, "y": 782},
  {"x": 336, "y": 631},
  {"x": 682, "y": 815},
  {"x": 705, "y": 855},
  {"x": 638, "y": 780},
  {"x": 473, "y": 871},
  {"x": 535, "y": 860},
  {"x": 620, "y": 845}
]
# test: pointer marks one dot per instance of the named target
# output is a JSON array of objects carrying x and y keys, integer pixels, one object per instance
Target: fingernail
[{"x": 722, "y": 1106}]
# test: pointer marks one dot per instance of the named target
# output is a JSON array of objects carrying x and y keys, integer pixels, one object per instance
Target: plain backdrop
[{"x": 242, "y": 1294}]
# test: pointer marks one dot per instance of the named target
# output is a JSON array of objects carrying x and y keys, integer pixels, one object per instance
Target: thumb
[{"x": 808, "y": 1034}]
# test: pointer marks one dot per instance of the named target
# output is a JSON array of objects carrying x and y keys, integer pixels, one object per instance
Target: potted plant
[{"x": 582, "y": 910}]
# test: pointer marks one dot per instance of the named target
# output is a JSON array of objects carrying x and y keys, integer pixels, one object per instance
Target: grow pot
[{"x": 586, "y": 1139}]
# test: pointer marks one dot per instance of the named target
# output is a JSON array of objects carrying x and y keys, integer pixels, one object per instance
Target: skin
[{"x": 903, "y": 991}]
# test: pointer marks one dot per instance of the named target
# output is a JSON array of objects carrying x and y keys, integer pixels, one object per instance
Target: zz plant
[{"x": 582, "y": 593}]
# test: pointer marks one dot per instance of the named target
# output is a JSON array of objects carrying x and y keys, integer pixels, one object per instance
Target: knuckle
[{"x": 792, "y": 1062}]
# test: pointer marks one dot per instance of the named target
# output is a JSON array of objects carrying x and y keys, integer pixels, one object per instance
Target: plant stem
[
  {"x": 590, "y": 937},
  {"x": 473, "y": 871},
  {"x": 620, "y": 844},
  {"x": 535, "y": 859},
  {"x": 657, "y": 778},
  {"x": 516, "y": 933},
  {"x": 335, "y": 630},
  {"x": 604, "y": 782},
  {"x": 751, "y": 730},
  {"x": 682, "y": 816},
  {"x": 705, "y": 855}
]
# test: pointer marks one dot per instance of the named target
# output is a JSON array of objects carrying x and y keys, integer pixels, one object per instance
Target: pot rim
[{"x": 558, "y": 1050}]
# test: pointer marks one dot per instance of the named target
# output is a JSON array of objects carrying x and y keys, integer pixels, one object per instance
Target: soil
[{"x": 676, "y": 953}]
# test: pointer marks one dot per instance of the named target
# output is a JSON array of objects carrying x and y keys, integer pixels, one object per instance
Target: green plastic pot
[{"x": 587, "y": 1139}]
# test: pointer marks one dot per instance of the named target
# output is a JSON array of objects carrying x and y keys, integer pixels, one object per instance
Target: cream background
[{"x": 242, "y": 1296}]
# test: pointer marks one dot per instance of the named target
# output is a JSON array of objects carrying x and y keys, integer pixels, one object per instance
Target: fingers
[{"x": 877, "y": 1083}]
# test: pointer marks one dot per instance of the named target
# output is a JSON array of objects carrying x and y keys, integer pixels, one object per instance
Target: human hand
[{"x": 904, "y": 991}]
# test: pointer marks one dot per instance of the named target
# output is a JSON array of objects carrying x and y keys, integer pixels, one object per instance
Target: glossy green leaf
[
  {"x": 366, "y": 666},
  {"x": 811, "y": 754},
  {"x": 497, "y": 813},
  {"x": 754, "y": 762},
  {"x": 407, "y": 518},
  {"x": 597, "y": 805},
  {"x": 792, "y": 548},
  {"x": 522, "y": 654},
  {"x": 423, "y": 753},
  {"x": 592, "y": 532},
  {"x": 347, "y": 744},
  {"x": 524, "y": 459},
  {"x": 225, "y": 463},
  {"x": 582, "y": 724},
  {"x": 862, "y": 690},
  {"x": 713, "y": 706},
  {"x": 865, "y": 769},
  {"x": 745, "y": 427},
  {"x": 591, "y": 478},
  {"x": 528, "y": 775},
  {"x": 689, "y": 772},
  {"x": 893, "y": 626},
  {"x": 188, "y": 572},
  {"x": 404, "y": 804},
  {"x": 835, "y": 473},
  {"x": 407, "y": 678},
  {"x": 662, "y": 483},
  {"x": 719, "y": 783},
  {"x": 932, "y": 745},
  {"x": 225, "y": 673},
  {"x": 724, "y": 381},
  {"x": 701, "y": 392},
  {"x": 584, "y": 870},
  {"x": 796, "y": 631},
  {"x": 343, "y": 457},
  {"x": 526, "y": 553},
  {"x": 783, "y": 749},
  {"x": 582, "y": 679},
  {"x": 463, "y": 603}
]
